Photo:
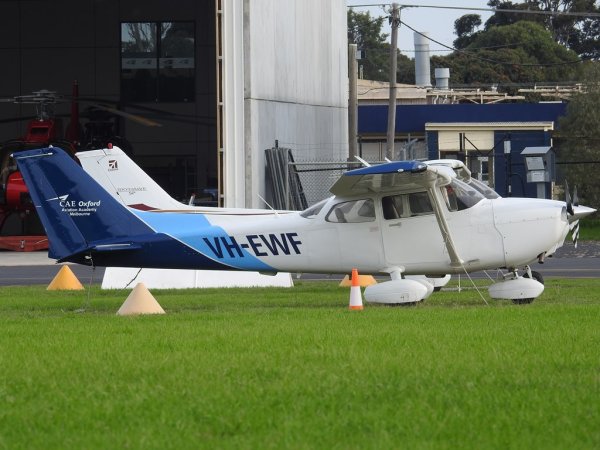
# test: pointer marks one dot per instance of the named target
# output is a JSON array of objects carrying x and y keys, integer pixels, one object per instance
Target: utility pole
[
  {"x": 352, "y": 102},
  {"x": 391, "y": 128}
]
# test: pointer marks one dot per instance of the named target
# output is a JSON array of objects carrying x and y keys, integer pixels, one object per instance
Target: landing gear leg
[{"x": 533, "y": 274}]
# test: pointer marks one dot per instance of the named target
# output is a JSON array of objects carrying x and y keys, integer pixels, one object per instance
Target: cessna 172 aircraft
[
  {"x": 129, "y": 184},
  {"x": 398, "y": 218}
]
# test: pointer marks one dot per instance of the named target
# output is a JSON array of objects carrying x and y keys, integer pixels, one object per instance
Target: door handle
[{"x": 397, "y": 224}]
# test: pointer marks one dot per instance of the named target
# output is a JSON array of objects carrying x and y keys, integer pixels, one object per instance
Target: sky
[{"x": 439, "y": 23}]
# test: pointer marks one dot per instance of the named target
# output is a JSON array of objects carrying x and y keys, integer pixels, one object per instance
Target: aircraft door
[
  {"x": 409, "y": 230},
  {"x": 358, "y": 233}
]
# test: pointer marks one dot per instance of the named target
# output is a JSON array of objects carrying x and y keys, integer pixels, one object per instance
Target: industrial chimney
[
  {"x": 422, "y": 71},
  {"x": 442, "y": 77}
]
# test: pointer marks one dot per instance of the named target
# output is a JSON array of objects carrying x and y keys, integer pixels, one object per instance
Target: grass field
[
  {"x": 293, "y": 368},
  {"x": 590, "y": 229}
]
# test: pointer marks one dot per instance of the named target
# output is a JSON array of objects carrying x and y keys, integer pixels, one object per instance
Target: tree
[
  {"x": 579, "y": 138},
  {"x": 464, "y": 28},
  {"x": 512, "y": 53},
  {"x": 365, "y": 32},
  {"x": 578, "y": 33}
]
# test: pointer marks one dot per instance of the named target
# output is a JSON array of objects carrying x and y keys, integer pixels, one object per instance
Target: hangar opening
[{"x": 152, "y": 60}]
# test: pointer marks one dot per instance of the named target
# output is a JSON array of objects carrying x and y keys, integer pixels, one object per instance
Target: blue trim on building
[
  {"x": 372, "y": 119},
  {"x": 518, "y": 179}
]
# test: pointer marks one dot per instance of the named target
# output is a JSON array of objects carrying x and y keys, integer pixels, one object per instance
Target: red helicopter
[{"x": 20, "y": 228}]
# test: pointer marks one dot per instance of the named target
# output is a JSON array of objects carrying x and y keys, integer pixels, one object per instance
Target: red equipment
[{"x": 20, "y": 228}]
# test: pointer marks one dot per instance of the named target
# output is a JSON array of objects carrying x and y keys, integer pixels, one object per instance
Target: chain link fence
[{"x": 295, "y": 185}]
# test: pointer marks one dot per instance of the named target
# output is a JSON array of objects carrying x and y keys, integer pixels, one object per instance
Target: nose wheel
[
  {"x": 533, "y": 274},
  {"x": 521, "y": 290}
]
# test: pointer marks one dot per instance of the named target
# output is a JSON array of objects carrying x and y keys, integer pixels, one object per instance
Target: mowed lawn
[{"x": 293, "y": 368}]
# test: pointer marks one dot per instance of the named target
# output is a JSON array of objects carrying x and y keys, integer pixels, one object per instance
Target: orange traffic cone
[
  {"x": 355, "y": 294},
  {"x": 363, "y": 281},
  {"x": 65, "y": 280}
]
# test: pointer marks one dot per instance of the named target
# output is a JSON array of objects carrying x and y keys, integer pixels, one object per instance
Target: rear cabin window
[{"x": 356, "y": 211}]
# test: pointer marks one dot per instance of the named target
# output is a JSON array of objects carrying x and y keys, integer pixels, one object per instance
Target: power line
[
  {"x": 494, "y": 10},
  {"x": 472, "y": 55}
]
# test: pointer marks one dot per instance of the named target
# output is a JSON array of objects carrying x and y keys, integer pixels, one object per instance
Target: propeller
[
  {"x": 572, "y": 201},
  {"x": 568, "y": 200}
]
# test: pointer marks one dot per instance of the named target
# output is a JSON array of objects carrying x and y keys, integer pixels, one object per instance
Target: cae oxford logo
[{"x": 76, "y": 208}]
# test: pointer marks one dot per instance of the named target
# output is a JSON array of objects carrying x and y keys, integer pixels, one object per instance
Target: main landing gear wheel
[{"x": 522, "y": 301}]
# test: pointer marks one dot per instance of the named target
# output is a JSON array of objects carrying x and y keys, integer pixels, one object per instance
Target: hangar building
[{"x": 235, "y": 76}]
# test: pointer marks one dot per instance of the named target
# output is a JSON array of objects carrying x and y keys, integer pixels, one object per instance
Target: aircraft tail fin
[
  {"x": 125, "y": 180},
  {"x": 75, "y": 210}
]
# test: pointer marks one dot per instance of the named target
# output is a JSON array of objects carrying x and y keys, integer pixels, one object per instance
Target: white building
[{"x": 285, "y": 71}]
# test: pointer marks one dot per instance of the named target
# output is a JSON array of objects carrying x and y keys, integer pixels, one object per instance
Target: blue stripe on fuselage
[{"x": 198, "y": 233}]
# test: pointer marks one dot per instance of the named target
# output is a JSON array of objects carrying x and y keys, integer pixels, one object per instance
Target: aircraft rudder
[{"x": 75, "y": 210}]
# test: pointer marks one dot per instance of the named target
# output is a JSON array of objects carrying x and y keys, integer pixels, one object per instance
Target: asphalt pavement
[{"x": 30, "y": 268}]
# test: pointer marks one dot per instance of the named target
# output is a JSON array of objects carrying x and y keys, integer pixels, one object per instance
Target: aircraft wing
[{"x": 393, "y": 177}]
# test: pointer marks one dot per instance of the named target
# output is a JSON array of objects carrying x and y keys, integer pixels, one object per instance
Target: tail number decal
[{"x": 259, "y": 244}]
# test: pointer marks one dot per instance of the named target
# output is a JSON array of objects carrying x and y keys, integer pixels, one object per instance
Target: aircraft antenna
[
  {"x": 362, "y": 161},
  {"x": 267, "y": 203}
]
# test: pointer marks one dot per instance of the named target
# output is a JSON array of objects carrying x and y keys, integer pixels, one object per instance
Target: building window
[{"x": 157, "y": 61}]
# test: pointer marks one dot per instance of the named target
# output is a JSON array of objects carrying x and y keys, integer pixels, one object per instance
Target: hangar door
[{"x": 170, "y": 65}]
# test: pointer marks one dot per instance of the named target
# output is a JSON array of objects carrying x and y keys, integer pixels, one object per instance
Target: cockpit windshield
[
  {"x": 487, "y": 191},
  {"x": 459, "y": 195}
]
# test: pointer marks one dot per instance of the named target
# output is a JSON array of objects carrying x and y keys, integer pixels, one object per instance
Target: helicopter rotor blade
[
  {"x": 133, "y": 117},
  {"x": 17, "y": 119}
]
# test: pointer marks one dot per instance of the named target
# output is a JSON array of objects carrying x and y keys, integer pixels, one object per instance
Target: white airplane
[
  {"x": 399, "y": 218},
  {"x": 127, "y": 182}
]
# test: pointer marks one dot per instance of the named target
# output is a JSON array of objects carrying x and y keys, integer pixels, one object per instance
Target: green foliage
[
  {"x": 464, "y": 28},
  {"x": 507, "y": 51},
  {"x": 510, "y": 54},
  {"x": 293, "y": 368},
  {"x": 365, "y": 32},
  {"x": 579, "y": 139},
  {"x": 580, "y": 34},
  {"x": 589, "y": 229}
]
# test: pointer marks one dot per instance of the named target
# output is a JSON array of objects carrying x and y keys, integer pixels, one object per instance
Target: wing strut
[{"x": 455, "y": 260}]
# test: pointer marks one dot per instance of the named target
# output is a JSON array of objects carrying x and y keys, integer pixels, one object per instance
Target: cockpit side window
[
  {"x": 406, "y": 205},
  {"x": 459, "y": 195},
  {"x": 352, "y": 212},
  {"x": 420, "y": 203},
  {"x": 392, "y": 207}
]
